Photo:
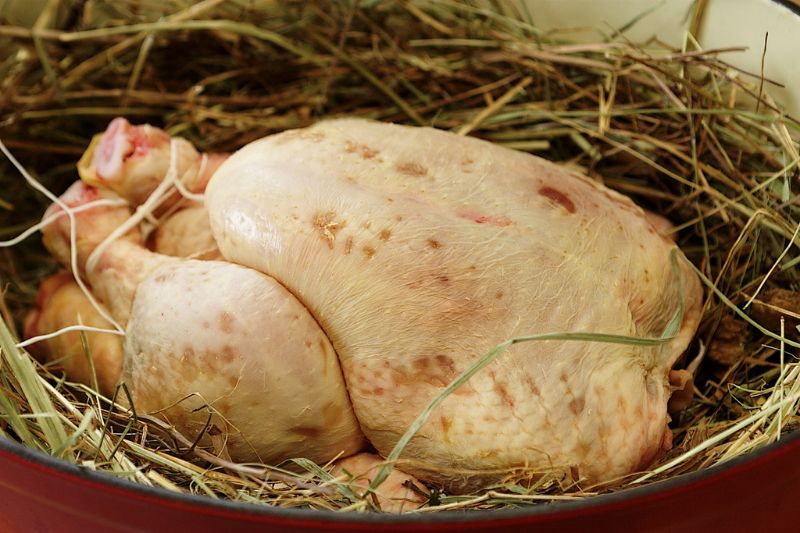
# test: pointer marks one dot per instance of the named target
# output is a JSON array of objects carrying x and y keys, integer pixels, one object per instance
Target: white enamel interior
[{"x": 725, "y": 23}]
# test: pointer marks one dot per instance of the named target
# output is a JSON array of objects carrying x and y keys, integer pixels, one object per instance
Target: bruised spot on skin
[
  {"x": 444, "y": 279},
  {"x": 438, "y": 371},
  {"x": 164, "y": 277},
  {"x": 228, "y": 355},
  {"x": 447, "y": 423},
  {"x": 226, "y": 322},
  {"x": 558, "y": 197},
  {"x": 206, "y": 324},
  {"x": 378, "y": 391},
  {"x": 446, "y": 364},
  {"x": 576, "y": 405},
  {"x": 498, "y": 295},
  {"x": 421, "y": 364},
  {"x": 327, "y": 226},
  {"x": 207, "y": 359},
  {"x": 385, "y": 235},
  {"x": 532, "y": 386},
  {"x": 366, "y": 152},
  {"x": 502, "y": 392},
  {"x": 412, "y": 169},
  {"x": 313, "y": 136},
  {"x": 310, "y": 432},
  {"x": 233, "y": 381},
  {"x": 584, "y": 448},
  {"x": 622, "y": 403},
  {"x": 499, "y": 221},
  {"x": 369, "y": 251},
  {"x": 308, "y": 344},
  {"x": 433, "y": 243}
]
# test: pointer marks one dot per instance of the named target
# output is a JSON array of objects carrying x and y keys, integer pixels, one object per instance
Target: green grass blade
[{"x": 23, "y": 368}]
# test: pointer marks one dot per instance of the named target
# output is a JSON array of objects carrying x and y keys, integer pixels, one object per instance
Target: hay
[{"x": 681, "y": 131}]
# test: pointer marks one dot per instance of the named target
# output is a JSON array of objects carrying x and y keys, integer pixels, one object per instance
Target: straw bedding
[{"x": 680, "y": 131}]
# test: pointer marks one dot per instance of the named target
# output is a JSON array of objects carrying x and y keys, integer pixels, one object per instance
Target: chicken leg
[{"x": 239, "y": 359}]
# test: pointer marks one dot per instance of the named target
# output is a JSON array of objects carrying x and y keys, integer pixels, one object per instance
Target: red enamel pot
[{"x": 756, "y": 492}]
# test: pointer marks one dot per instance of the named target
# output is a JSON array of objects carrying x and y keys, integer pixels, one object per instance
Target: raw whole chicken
[{"x": 351, "y": 270}]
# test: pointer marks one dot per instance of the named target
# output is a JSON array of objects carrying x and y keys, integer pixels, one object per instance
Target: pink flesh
[
  {"x": 48, "y": 287},
  {"x": 122, "y": 141},
  {"x": 75, "y": 197},
  {"x": 113, "y": 149}
]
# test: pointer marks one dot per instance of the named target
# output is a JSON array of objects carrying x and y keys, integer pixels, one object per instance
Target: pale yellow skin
[
  {"x": 186, "y": 233},
  {"x": 417, "y": 251},
  {"x": 250, "y": 354},
  {"x": 61, "y": 303},
  {"x": 202, "y": 338},
  {"x": 399, "y": 492}
]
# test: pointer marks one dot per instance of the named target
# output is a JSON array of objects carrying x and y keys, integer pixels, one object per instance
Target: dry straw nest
[{"x": 681, "y": 131}]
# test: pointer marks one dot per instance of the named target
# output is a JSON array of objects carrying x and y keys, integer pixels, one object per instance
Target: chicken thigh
[{"x": 216, "y": 348}]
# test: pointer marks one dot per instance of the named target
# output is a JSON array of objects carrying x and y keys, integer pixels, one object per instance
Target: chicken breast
[{"x": 417, "y": 251}]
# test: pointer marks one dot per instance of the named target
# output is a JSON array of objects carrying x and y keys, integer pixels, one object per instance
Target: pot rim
[{"x": 789, "y": 443}]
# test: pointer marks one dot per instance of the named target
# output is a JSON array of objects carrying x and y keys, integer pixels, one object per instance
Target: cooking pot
[{"x": 755, "y": 492}]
